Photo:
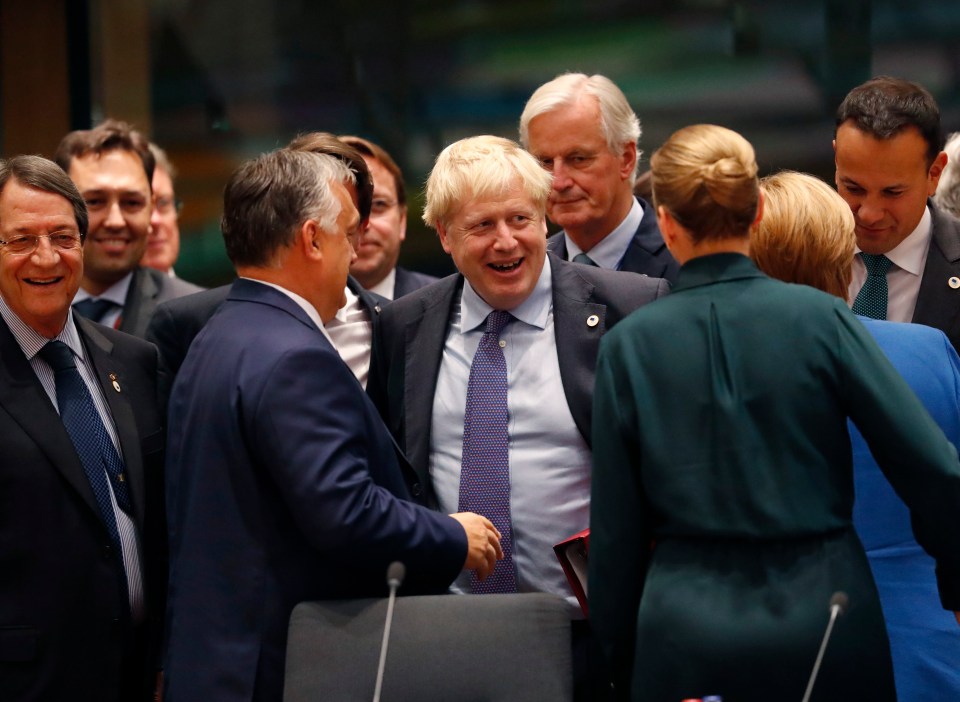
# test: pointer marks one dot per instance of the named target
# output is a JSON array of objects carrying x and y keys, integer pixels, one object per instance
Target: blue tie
[
  {"x": 485, "y": 470},
  {"x": 92, "y": 309},
  {"x": 871, "y": 301},
  {"x": 90, "y": 438}
]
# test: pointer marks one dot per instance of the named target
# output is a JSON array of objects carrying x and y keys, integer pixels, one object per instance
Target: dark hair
[
  {"x": 326, "y": 143},
  {"x": 37, "y": 172},
  {"x": 268, "y": 198},
  {"x": 109, "y": 135},
  {"x": 378, "y": 153},
  {"x": 884, "y": 106}
]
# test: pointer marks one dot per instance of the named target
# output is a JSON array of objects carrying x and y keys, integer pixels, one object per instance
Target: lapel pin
[
  {"x": 954, "y": 282},
  {"x": 113, "y": 379},
  {"x": 593, "y": 320}
]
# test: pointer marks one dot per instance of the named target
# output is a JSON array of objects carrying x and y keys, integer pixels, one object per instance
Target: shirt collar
[
  {"x": 116, "y": 293},
  {"x": 533, "y": 311},
  {"x": 611, "y": 249},
  {"x": 911, "y": 253},
  {"x": 310, "y": 310},
  {"x": 31, "y": 341},
  {"x": 386, "y": 287}
]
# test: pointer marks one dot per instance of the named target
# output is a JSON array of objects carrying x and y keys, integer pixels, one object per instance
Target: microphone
[
  {"x": 395, "y": 574},
  {"x": 838, "y": 605}
]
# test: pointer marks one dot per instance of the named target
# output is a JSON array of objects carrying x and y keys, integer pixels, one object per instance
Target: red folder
[{"x": 572, "y": 553}]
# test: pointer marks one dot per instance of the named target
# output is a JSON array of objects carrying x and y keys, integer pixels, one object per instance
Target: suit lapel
[
  {"x": 108, "y": 371},
  {"x": 424, "y": 339},
  {"x": 24, "y": 399},
  {"x": 140, "y": 303},
  {"x": 578, "y": 339},
  {"x": 938, "y": 304}
]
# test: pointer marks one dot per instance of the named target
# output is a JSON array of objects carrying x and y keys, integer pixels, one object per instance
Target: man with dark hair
[
  {"x": 177, "y": 322},
  {"x": 376, "y": 265},
  {"x": 163, "y": 243},
  {"x": 889, "y": 161},
  {"x": 81, "y": 596},
  {"x": 112, "y": 167},
  {"x": 283, "y": 483}
]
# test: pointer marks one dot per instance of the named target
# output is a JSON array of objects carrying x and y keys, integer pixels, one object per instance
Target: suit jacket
[
  {"x": 64, "y": 627},
  {"x": 177, "y": 322},
  {"x": 922, "y": 635},
  {"x": 938, "y": 304},
  {"x": 284, "y": 487},
  {"x": 413, "y": 331},
  {"x": 646, "y": 254},
  {"x": 148, "y": 289},
  {"x": 407, "y": 281}
]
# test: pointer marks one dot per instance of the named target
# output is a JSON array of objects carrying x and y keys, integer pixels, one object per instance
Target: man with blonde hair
[
  {"x": 583, "y": 130},
  {"x": 485, "y": 378}
]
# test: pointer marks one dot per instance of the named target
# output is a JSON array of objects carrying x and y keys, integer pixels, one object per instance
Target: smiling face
[
  {"x": 39, "y": 287},
  {"x": 498, "y": 243},
  {"x": 591, "y": 191},
  {"x": 380, "y": 244},
  {"x": 117, "y": 192},
  {"x": 885, "y": 182}
]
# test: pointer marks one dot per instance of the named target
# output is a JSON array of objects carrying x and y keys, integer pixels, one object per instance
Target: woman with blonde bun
[{"x": 722, "y": 488}]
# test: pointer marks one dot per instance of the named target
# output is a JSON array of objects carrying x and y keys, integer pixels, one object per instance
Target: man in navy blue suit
[
  {"x": 581, "y": 128},
  {"x": 284, "y": 485}
]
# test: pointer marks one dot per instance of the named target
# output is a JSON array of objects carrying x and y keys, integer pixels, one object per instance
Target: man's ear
[
  {"x": 760, "y": 200},
  {"x": 444, "y": 237},
  {"x": 628, "y": 160},
  {"x": 936, "y": 170},
  {"x": 308, "y": 239}
]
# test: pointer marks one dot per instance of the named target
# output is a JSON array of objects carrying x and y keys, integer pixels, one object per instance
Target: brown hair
[
  {"x": 109, "y": 135},
  {"x": 706, "y": 177},
  {"x": 368, "y": 148},
  {"x": 327, "y": 143}
]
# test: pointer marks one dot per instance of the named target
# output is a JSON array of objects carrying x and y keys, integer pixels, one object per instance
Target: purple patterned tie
[{"x": 485, "y": 471}]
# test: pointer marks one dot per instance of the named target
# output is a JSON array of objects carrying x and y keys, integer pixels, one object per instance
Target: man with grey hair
[
  {"x": 582, "y": 129},
  {"x": 947, "y": 196},
  {"x": 486, "y": 377},
  {"x": 283, "y": 484},
  {"x": 163, "y": 241}
]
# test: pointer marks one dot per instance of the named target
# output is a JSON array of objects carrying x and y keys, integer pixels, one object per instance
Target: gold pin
[
  {"x": 116, "y": 385},
  {"x": 593, "y": 320},
  {"x": 121, "y": 477},
  {"x": 954, "y": 282}
]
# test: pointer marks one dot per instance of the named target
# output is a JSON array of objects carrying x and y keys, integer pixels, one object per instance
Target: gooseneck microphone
[
  {"x": 395, "y": 574},
  {"x": 838, "y": 605}
]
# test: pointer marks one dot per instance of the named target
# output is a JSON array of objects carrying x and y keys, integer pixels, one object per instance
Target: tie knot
[
  {"x": 496, "y": 321},
  {"x": 58, "y": 355},
  {"x": 876, "y": 264},
  {"x": 94, "y": 310},
  {"x": 585, "y": 260}
]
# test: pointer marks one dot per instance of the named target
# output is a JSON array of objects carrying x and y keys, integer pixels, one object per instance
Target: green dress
[{"x": 722, "y": 491}]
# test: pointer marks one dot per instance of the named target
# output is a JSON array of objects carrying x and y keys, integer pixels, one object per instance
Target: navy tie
[
  {"x": 485, "y": 469},
  {"x": 585, "y": 260},
  {"x": 90, "y": 438},
  {"x": 871, "y": 301},
  {"x": 94, "y": 310}
]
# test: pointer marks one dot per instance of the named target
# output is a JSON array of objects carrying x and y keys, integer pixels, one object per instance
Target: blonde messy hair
[
  {"x": 481, "y": 166},
  {"x": 807, "y": 233}
]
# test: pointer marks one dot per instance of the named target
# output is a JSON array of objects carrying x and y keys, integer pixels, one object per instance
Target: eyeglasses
[
  {"x": 381, "y": 205},
  {"x": 166, "y": 205},
  {"x": 26, "y": 245}
]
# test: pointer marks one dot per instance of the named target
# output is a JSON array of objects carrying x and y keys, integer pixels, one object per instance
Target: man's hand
[{"x": 483, "y": 543}]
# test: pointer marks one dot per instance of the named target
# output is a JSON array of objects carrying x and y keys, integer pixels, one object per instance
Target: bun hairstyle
[{"x": 706, "y": 177}]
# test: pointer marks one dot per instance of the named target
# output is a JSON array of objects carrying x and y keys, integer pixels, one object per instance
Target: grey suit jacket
[
  {"x": 64, "y": 625},
  {"x": 646, "y": 254},
  {"x": 413, "y": 330},
  {"x": 938, "y": 304},
  {"x": 148, "y": 289}
]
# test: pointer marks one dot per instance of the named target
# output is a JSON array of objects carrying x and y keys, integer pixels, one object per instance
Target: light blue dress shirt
[
  {"x": 549, "y": 459},
  {"x": 613, "y": 247}
]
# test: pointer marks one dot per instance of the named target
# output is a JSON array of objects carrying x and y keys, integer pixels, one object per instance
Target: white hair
[
  {"x": 618, "y": 122},
  {"x": 947, "y": 196}
]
